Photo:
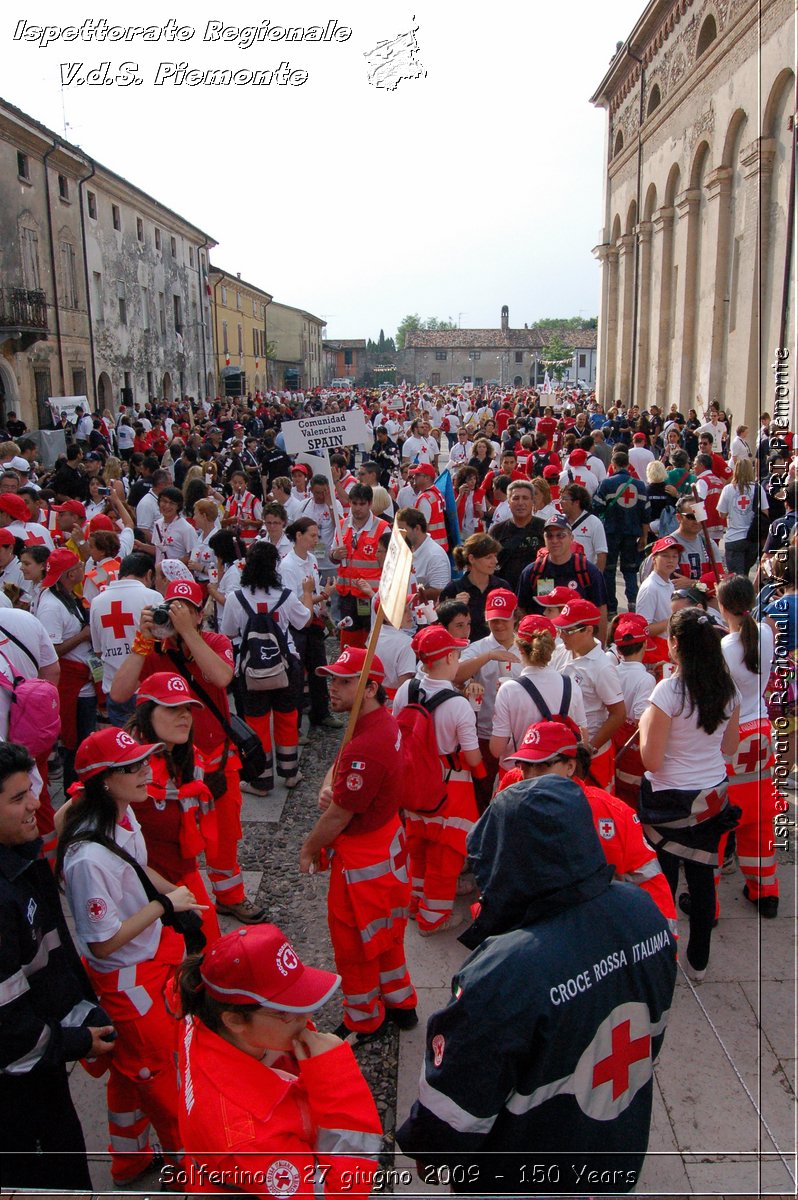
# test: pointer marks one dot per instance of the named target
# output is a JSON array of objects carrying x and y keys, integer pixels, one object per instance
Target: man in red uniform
[
  {"x": 369, "y": 897},
  {"x": 206, "y": 661}
]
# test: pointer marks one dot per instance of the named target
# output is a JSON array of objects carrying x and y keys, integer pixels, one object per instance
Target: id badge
[
  {"x": 544, "y": 586},
  {"x": 363, "y": 607}
]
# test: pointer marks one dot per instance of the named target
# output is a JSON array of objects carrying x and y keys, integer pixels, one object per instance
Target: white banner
[
  {"x": 395, "y": 578},
  {"x": 328, "y": 432}
]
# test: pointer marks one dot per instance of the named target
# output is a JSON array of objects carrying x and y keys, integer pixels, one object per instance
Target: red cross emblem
[
  {"x": 32, "y": 540},
  {"x": 96, "y": 908},
  {"x": 625, "y": 1051},
  {"x": 750, "y": 760},
  {"x": 117, "y": 620},
  {"x": 743, "y": 503},
  {"x": 628, "y": 497}
]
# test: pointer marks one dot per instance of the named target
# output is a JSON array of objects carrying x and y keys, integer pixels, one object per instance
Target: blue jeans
[
  {"x": 740, "y": 556},
  {"x": 623, "y": 546}
]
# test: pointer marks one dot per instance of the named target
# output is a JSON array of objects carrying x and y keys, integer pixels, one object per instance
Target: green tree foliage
[
  {"x": 567, "y": 323},
  {"x": 556, "y": 356},
  {"x": 411, "y": 323}
]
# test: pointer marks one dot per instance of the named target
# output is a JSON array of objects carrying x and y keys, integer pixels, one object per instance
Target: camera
[
  {"x": 103, "y": 491},
  {"x": 162, "y": 626}
]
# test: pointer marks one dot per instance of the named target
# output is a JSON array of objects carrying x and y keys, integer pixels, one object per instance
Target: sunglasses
[{"x": 130, "y": 768}]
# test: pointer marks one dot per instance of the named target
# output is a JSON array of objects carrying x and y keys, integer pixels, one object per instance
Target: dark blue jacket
[
  {"x": 622, "y": 503},
  {"x": 544, "y": 1054}
]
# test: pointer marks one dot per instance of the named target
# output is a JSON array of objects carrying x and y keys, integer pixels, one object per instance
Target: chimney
[{"x": 505, "y": 318}]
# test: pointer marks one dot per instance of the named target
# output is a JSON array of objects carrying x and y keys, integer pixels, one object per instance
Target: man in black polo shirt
[
  {"x": 521, "y": 537},
  {"x": 562, "y": 566}
]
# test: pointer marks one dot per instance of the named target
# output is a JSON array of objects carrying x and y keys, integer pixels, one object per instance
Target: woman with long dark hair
[
  {"x": 130, "y": 952},
  {"x": 748, "y": 649},
  {"x": 477, "y": 559},
  {"x": 177, "y": 818},
  {"x": 691, "y": 723},
  {"x": 262, "y": 589}
]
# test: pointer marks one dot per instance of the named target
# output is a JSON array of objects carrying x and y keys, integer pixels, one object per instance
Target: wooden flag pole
[{"x": 707, "y": 539}]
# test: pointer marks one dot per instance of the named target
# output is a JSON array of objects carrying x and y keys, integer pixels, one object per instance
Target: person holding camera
[
  {"x": 171, "y": 638},
  {"x": 129, "y": 949}
]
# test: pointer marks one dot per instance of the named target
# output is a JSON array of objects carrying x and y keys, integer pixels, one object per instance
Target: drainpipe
[
  {"x": 636, "y": 301},
  {"x": 81, "y": 183},
  {"x": 52, "y": 149}
]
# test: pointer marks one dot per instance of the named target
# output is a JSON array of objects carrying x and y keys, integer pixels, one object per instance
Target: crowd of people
[{"x": 184, "y": 603}]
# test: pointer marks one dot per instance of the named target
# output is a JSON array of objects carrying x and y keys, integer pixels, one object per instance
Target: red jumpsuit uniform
[
  {"x": 751, "y": 786},
  {"x": 210, "y": 739},
  {"x": 287, "y": 1129},
  {"x": 369, "y": 897},
  {"x": 178, "y": 824}
]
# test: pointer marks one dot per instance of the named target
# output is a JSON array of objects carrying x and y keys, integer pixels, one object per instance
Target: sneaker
[
  {"x": 729, "y": 865},
  {"x": 359, "y": 1039},
  {"x": 331, "y": 721},
  {"x": 690, "y": 971},
  {"x": 768, "y": 906},
  {"x": 246, "y": 911},
  {"x": 303, "y": 739},
  {"x": 294, "y": 781},
  {"x": 402, "y": 1018},
  {"x": 450, "y": 923},
  {"x": 684, "y": 905},
  {"x": 256, "y": 789}
]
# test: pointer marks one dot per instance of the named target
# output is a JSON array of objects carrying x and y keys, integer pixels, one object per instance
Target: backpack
[
  {"x": 34, "y": 719},
  {"x": 265, "y": 657},
  {"x": 537, "y": 699},
  {"x": 425, "y": 778},
  {"x": 579, "y": 562}
]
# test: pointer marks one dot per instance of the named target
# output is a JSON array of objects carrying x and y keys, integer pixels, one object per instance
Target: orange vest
[
  {"x": 197, "y": 810},
  {"x": 436, "y": 521},
  {"x": 244, "y": 510},
  {"x": 104, "y": 573},
  {"x": 361, "y": 557}
]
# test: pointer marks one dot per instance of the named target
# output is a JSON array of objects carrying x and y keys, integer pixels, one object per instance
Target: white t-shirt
[
  {"x": 396, "y": 654},
  {"x": 12, "y": 573},
  {"x": 581, "y": 475},
  {"x": 751, "y": 685},
  {"x": 492, "y": 676},
  {"x": 739, "y": 449},
  {"x": 60, "y": 624},
  {"x": 295, "y": 570},
  {"x": 230, "y": 579},
  {"x": 589, "y": 532},
  {"x": 32, "y": 533},
  {"x": 598, "y": 679},
  {"x": 460, "y": 453},
  {"x": 125, "y": 437},
  {"x": 103, "y": 891},
  {"x": 737, "y": 507},
  {"x": 693, "y": 758},
  {"x": 291, "y": 612},
  {"x": 515, "y": 709},
  {"x": 175, "y": 540},
  {"x": 654, "y": 598},
  {"x": 637, "y": 684},
  {"x": 147, "y": 512},
  {"x": 114, "y": 617},
  {"x": 423, "y": 450},
  {"x": 718, "y": 432},
  {"x": 202, "y": 555},
  {"x": 455, "y": 721},
  {"x": 640, "y": 457},
  {"x": 431, "y": 565}
]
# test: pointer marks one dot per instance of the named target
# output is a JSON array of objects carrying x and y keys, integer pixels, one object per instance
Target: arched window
[
  {"x": 653, "y": 100},
  {"x": 618, "y": 142},
  {"x": 708, "y": 34}
]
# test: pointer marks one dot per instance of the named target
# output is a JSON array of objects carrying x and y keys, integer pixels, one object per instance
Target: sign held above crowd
[{"x": 329, "y": 432}]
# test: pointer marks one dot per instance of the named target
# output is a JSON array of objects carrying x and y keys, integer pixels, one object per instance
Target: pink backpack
[{"x": 35, "y": 717}]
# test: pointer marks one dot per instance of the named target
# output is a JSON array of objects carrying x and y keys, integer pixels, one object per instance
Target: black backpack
[
  {"x": 265, "y": 657},
  {"x": 543, "y": 708}
]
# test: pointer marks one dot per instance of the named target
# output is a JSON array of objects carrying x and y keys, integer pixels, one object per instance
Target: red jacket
[{"x": 270, "y": 1132}]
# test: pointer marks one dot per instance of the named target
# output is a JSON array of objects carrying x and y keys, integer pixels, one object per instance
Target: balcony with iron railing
[{"x": 23, "y": 315}]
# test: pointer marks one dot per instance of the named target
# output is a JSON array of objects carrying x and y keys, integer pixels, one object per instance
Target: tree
[
  {"x": 411, "y": 323},
  {"x": 556, "y": 356},
  {"x": 567, "y": 323}
]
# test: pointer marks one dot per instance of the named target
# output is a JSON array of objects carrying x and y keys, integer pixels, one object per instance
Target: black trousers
[
  {"x": 700, "y": 879},
  {"x": 309, "y": 644},
  {"x": 41, "y": 1141}
]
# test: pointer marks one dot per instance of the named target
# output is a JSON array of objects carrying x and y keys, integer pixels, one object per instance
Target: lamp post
[{"x": 473, "y": 355}]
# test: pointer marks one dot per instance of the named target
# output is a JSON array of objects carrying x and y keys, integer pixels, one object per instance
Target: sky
[{"x": 478, "y": 184}]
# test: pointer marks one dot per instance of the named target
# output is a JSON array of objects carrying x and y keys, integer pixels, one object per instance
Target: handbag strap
[
  {"x": 180, "y": 662},
  {"x": 21, "y": 645},
  {"x": 150, "y": 890}
]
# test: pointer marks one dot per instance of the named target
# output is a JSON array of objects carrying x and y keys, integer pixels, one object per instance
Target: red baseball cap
[
  {"x": 303, "y": 467},
  {"x": 578, "y": 612},
  {"x": 501, "y": 602},
  {"x": 557, "y": 598},
  {"x": 108, "y": 749},
  {"x": 185, "y": 589},
  {"x": 665, "y": 543},
  {"x": 424, "y": 469},
  {"x": 551, "y": 472},
  {"x": 351, "y": 662},
  {"x": 711, "y": 581},
  {"x": 535, "y": 623},
  {"x": 577, "y": 458},
  {"x": 166, "y": 689},
  {"x": 639, "y": 437},
  {"x": 631, "y": 628},
  {"x": 258, "y": 965},
  {"x": 72, "y": 506},
  {"x": 101, "y": 522},
  {"x": 7, "y": 538},
  {"x": 15, "y": 506},
  {"x": 546, "y": 740},
  {"x": 434, "y": 642},
  {"x": 59, "y": 561}
]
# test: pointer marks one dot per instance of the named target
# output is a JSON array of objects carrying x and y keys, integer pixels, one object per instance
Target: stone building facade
[
  {"x": 697, "y": 256},
  {"x": 103, "y": 290},
  {"x": 298, "y": 361},
  {"x": 345, "y": 359},
  {"x": 504, "y": 356},
  {"x": 240, "y": 321}
]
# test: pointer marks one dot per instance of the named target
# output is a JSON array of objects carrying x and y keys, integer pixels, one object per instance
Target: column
[
  {"x": 687, "y": 205},
  {"x": 756, "y": 160},
  {"x": 626, "y": 270},
  {"x": 642, "y": 389},
  {"x": 663, "y": 228},
  {"x": 603, "y": 253},
  {"x": 718, "y": 193}
]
